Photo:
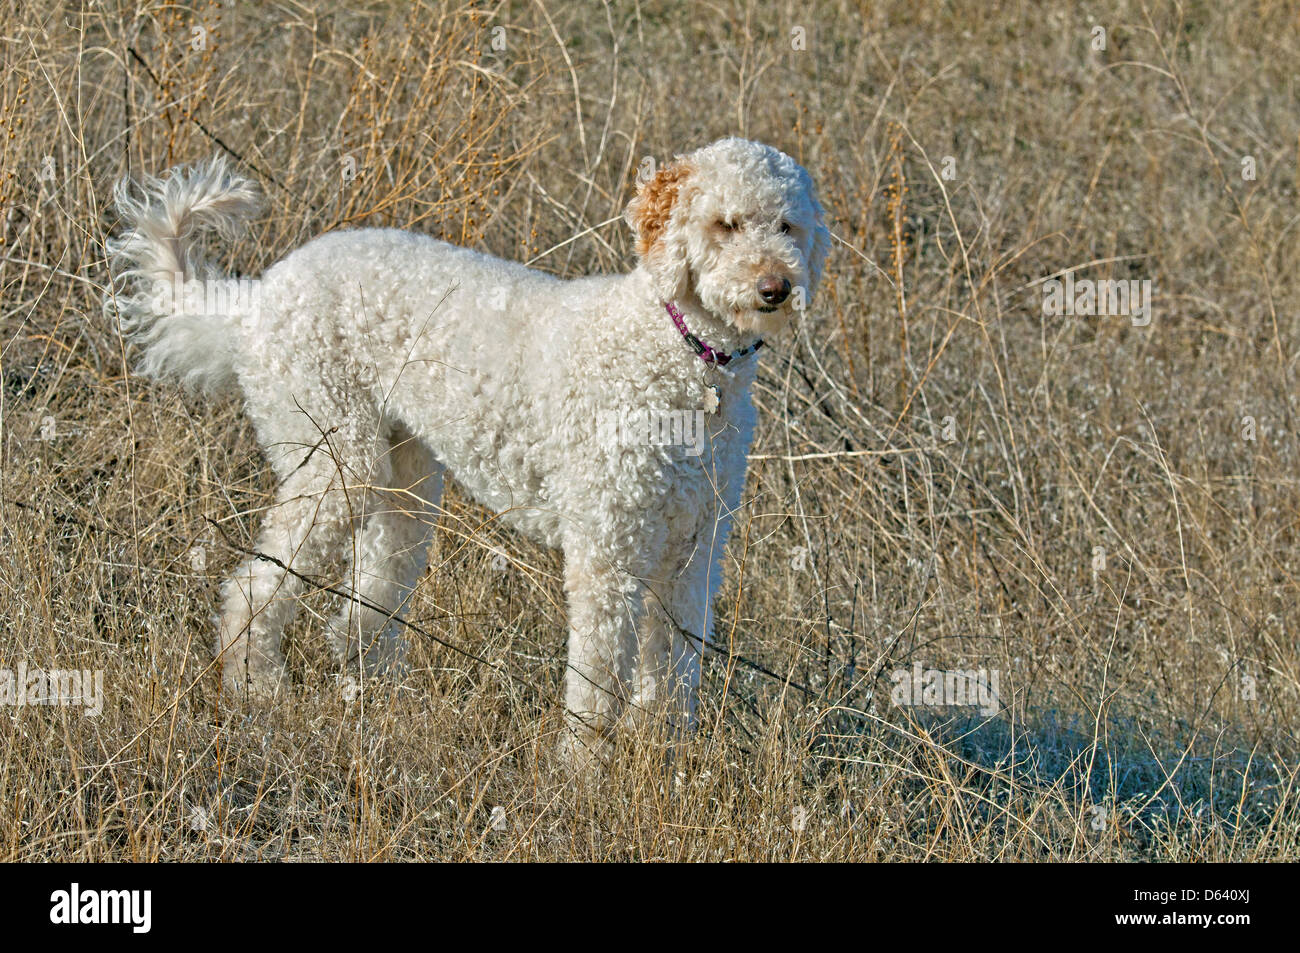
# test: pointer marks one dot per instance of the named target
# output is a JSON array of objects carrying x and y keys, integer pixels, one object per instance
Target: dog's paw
[
  {"x": 262, "y": 683},
  {"x": 583, "y": 751},
  {"x": 384, "y": 655},
  {"x": 386, "y": 659}
]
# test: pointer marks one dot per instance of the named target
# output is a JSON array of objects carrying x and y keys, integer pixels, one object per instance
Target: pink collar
[{"x": 707, "y": 354}]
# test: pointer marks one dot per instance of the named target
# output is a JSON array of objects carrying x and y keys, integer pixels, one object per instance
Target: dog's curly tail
[{"x": 177, "y": 308}]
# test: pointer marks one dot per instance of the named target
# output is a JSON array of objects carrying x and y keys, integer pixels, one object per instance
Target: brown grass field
[{"x": 1103, "y": 513}]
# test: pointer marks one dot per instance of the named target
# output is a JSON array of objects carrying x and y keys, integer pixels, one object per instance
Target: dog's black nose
[{"x": 773, "y": 290}]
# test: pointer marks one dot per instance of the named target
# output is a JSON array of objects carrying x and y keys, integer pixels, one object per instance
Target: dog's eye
[
  {"x": 726, "y": 226},
  {"x": 785, "y": 228}
]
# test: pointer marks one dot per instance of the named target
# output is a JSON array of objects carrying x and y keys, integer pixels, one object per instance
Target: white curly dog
[{"x": 608, "y": 415}]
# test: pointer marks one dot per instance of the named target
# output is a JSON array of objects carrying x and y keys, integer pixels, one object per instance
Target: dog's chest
[{"x": 689, "y": 447}]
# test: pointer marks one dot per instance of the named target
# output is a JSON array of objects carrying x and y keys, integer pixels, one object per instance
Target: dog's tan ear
[{"x": 648, "y": 213}]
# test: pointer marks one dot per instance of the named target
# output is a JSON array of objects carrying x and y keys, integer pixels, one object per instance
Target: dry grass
[{"x": 1091, "y": 523}]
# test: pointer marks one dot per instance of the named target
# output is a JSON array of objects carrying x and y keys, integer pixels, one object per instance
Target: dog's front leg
[
  {"x": 677, "y": 627},
  {"x": 605, "y": 603},
  {"x": 692, "y": 608}
]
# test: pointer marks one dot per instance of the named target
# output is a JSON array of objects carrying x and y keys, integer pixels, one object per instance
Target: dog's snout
[{"x": 773, "y": 290}]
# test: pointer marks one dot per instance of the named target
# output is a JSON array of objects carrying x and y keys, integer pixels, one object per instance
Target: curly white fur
[
  {"x": 373, "y": 359},
  {"x": 159, "y": 252}
]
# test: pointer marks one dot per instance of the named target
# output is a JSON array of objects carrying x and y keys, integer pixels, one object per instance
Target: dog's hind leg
[
  {"x": 324, "y": 478},
  {"x": 390, "y": 553}
]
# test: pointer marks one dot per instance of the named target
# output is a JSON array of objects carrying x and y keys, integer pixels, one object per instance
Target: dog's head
[{"x": 738, "y": 225}]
